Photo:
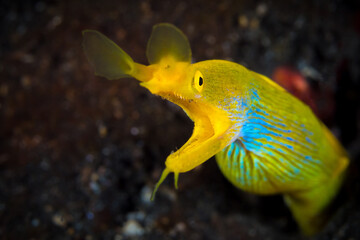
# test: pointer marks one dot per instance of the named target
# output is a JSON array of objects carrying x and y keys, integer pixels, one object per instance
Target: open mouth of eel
[{"x": 210, "y": 124}]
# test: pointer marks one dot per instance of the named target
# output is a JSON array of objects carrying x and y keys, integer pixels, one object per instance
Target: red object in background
[{"x": 293, "y": 81}]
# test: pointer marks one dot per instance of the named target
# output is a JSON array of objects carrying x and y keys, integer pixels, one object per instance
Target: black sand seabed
[{"x": 79, "y": 155}]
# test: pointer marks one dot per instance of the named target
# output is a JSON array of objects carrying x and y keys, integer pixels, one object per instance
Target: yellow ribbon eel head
[{"x": 197, "y": 88}]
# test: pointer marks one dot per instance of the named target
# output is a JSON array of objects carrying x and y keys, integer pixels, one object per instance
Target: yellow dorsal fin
[{"x": 166, "y": 40}]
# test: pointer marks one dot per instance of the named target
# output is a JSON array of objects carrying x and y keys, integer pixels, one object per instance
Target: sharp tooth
[{"x": 179, "y": 96}]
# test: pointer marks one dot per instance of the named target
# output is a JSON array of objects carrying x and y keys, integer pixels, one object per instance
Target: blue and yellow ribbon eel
[{"x": 265, "y": 140}]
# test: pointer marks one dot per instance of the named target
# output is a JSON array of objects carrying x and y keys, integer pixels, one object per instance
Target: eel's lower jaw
[
  {"x": 192, "y": 154},
  {"x": 181, "y": 160}
]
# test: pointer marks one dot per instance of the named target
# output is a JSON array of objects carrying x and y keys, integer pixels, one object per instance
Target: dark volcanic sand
[{"x": 79, "y": 155}]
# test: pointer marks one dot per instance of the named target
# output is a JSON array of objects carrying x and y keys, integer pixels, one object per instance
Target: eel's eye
[{"x": 198, "y": 81}]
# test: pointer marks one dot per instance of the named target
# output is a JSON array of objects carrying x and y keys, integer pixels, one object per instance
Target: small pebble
[
  {"x": 59, "y": 220},
  {"x": 106, "y": 151},
  {"x": 90, "y": 215},
  {"x": 56, "y": 21},
  {"x": 95, "y": 187},
  {"x": 134, "y": 131},
  {"x": 243, "y": 21},
  {"x": 102, "y": 130},
  {"x": 89, "y": 158},
  {"x": 132, "y": 228},
  {"x": 25, "y": 81},
  {"x": 181, "y": 227},
  {"x": 261, "y": 9},
  {"x": 118, "y": 237},
  {"x": 44, "y": 165},
  {"x": 145, "y": 195},
  {"x": 35, "y": 222}
]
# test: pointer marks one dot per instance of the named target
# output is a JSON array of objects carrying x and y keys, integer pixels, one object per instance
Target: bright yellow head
[{"x": 198, "y": 89}]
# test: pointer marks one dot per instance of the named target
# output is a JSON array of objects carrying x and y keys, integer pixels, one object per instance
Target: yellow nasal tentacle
[
  {"x": 176, "y": 180},
  {"x": 109, "y": 60},
  {"x": 164, "y": 174}
]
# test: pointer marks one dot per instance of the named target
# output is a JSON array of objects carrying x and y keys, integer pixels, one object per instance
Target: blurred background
[{"x": 79, "y": 155}]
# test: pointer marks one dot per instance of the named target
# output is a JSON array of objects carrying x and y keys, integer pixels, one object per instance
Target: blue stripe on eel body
[{"x": 276, "y": 148}]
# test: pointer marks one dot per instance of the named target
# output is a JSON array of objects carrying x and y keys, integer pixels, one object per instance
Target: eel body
[{"x": 266, "y": 141}]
